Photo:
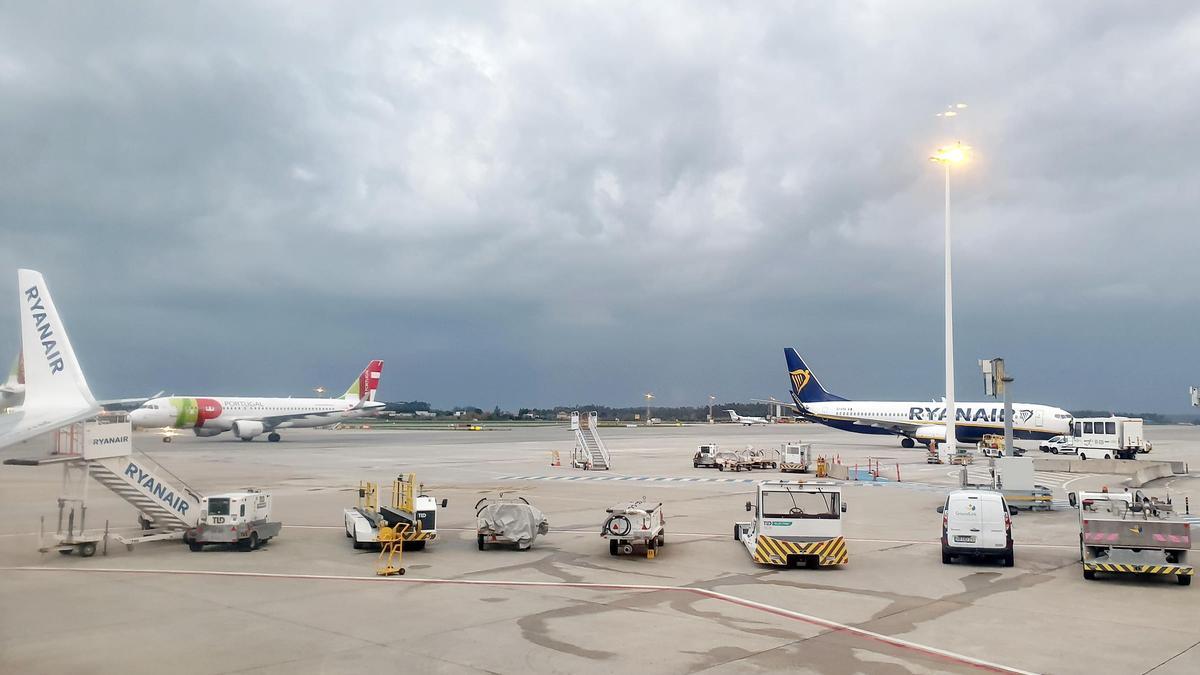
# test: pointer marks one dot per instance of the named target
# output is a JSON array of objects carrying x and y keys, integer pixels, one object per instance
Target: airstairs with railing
[{"x": 590, "y": 452}]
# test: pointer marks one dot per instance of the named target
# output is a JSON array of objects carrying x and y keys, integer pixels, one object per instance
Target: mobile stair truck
[
  {"x": 242, "y": 519},
  {"x": 1124, "y": 533},
  {"x": 167, "y": 508},
  {"x": 412, "y": 515},
  {"x": 795, "y": 523},
  {"x": 590, "y": 453},
  {"x": 637, "y": 523}
]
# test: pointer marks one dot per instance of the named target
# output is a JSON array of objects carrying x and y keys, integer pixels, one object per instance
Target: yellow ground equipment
[
  {"x": 391, "y": 553},
  {"x": 366, "y": 522}
]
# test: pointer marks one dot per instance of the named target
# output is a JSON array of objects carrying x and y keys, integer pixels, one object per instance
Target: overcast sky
[{"x": 548, "y": 203}]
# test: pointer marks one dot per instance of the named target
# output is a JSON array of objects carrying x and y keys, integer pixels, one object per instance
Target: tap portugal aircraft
[
  {"x": 915, "y": 421},
  {"x": 250, "y": 417}
]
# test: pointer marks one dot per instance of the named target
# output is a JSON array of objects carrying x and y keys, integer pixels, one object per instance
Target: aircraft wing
[{"x": 334, "y": 416}]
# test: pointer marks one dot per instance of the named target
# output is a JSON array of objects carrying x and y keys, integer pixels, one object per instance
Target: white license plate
[{"x": 964, "y": 539}]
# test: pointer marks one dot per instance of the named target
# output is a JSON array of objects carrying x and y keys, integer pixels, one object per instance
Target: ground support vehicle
[
  {"x": 635, "y": 524},
  {"x": 409, "y": 506},
  {"x": 795, "y": 523},
  {"x": 731, "y": 461},
  {"x": 1119, "y": 533},
  {"x": 705, "y": 457},
  {"x": 761, "y": 459},
  {"x": 240, "y": 519},
  {"x": 508, "y": 521},
  {"x": 1053, "y": 444},
  {"x": 1106, "y": 438},
  {"x": 962, "y": 458},
  {"x": 1013, "y": 477},
  {"x": 796, "y": 457},
  {"x": 932, "y": 456},
  {"x": 977, "y": 523}
]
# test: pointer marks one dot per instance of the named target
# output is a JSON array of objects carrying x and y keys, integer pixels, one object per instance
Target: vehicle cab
[
  {"x": 977, "y": 523},
  {"x": 706, "y": 456},
  {"x": 795, "y": 523}
]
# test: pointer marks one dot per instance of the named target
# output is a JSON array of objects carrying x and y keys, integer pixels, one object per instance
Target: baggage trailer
[
  {"x": 731, "y": 461},
  {"x": 635, "y": 524},
  {"x": 412, "y": 515},
  {"x": 795, "y": 524},
  {"x": 240, "y": 519},
  {"x": 508, "y": 520},
  {"x": 797, "y": 457},
  {"x": 761, "y": 459},
  {"x": 1127, "y": 533}
]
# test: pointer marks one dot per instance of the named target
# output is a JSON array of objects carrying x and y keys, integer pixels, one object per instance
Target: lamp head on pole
[{"x": 953, "y": 154}]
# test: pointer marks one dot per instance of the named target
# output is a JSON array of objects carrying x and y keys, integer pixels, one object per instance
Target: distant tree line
[{"x": 624, "y": 413}]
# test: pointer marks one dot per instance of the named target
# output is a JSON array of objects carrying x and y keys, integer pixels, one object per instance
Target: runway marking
[{"x": 829, "y": 624}]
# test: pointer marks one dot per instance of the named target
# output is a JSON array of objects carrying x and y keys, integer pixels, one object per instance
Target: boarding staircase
[
  {"x": 166, "y": 505},
  {"x": 590, "y": 451},
  {"x": 163, "y": 504}
]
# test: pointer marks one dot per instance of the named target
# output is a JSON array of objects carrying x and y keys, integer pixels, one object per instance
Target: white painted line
[{"x": 715, "y": 595}]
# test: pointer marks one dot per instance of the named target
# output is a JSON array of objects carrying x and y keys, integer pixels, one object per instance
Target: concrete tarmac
[{"x": 308, "y": 602}]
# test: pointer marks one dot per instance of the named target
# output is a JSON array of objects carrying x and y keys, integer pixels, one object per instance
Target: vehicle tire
[
  {"x": 737, "y": 532},
  {"x": 1107, "y": 456},
  {"x": 358, "y": 545},
  {"x": 721, "y": 467},
  {"x": 1008, "y": 559},
  {"x": 1082, "y": 457},
  {"x": 662, "y": 540},
  {"x": 1054, "y": 451},
  {"x": 251, "y": 541},
  {"x": 401, "y": 572},
  {"x": 1184, "y": 579},
  {"x": 907, "y": 442},
  {"x": 480, "y": 542},
  {"x": 695, "y": 465},
  {"x": 1089, "y": 574},
  {"x": 87, "y": 549},
  {"x": 612, "y": 547},
  {"x": 348, "y": 535},
  {"x": 195, "y": 547},
  {"x": 947, "y": 558}
]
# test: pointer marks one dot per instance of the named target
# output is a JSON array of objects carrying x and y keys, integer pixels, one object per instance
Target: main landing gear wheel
[
  {"x": 907, "y": 442},
  {"x": 273, "y": 437}
]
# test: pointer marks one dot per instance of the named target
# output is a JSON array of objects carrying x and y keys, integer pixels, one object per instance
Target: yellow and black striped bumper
[
  {"x": 1139, "y": 569},
  {"x": 828, "y": 552}
]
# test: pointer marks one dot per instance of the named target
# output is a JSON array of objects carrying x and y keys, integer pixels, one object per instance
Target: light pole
[
  {"x": 712, "y": 398},
  {"x": 649, "y": 397},
  {"x": 947, "y": 157}
]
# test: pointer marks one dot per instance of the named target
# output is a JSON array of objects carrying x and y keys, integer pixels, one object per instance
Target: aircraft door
[{"x": 1037, "y": 419}]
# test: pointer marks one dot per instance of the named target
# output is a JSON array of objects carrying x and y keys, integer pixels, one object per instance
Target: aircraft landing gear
[
  {"x": 273, "y": 437},
  {"x": 907, "y": 442}
]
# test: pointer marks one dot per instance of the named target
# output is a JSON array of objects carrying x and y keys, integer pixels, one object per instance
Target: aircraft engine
[
  {"x": 205, "y": 432},
  {"x": 247, "y": 429}
]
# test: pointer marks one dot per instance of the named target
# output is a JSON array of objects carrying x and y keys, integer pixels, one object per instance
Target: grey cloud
[{"x": 528, "y": 205}]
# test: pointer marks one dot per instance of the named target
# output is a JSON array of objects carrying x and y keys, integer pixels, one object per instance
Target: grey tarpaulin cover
[{"x": 512, "y": 521}]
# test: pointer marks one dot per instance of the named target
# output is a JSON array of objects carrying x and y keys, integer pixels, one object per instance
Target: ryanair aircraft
[{"x": 917, "y": 421}]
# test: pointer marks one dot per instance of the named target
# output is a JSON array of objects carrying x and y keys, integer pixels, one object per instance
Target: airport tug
[
  {"x": 638, "y": 524},
  {"x": 795, "y": 523}
]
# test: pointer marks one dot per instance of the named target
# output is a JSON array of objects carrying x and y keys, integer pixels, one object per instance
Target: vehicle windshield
[
  {"x": 218, "y": 506},
  {"x": 788, "y": 504}
]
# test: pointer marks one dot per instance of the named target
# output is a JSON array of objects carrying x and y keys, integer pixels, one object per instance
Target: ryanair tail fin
[
  {"x": 805, "y": 386},
  {"x": 364, "y": 387}
]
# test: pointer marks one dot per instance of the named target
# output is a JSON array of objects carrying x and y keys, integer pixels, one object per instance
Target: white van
[{"x": 977, "y": 523}]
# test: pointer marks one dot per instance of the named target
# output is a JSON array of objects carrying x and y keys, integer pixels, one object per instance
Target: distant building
[{"x": 563, "y": 416}]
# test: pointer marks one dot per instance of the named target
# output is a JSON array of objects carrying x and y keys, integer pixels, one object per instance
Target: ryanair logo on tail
[{"x": 800, "y": 379}]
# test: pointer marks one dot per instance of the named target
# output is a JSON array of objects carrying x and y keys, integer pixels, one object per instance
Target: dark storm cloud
[{"x": 577, "y": 202}]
